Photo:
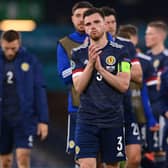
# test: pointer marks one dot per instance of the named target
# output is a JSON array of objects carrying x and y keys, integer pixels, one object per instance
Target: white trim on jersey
[
  {"x": 135, "y": 62},
  {"x": 76, "y": 74},
  {"x": 68, "y": 133},
  {"x": 152, "y": 82},
  {"x": 67, "y": 72}
]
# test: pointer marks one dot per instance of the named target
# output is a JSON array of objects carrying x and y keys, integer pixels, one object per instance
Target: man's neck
[
  {"x": 102, "y": 42},
  {"x": 157, "y": 49}
]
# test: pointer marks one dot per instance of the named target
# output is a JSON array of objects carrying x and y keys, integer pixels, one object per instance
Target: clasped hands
[{"x": 94, "y": 56}]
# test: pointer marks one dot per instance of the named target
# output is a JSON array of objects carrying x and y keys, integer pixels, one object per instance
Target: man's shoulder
[
  {"x": 27, "y": 55},
  {"x": 72, "y": 37},
  {"x": 143, "y": 56},
  {"x": 80, "y": 48},
  {"x": 125, "y": 42},
  {"x": 121, "y": 39},
  {"x": 116, "y": 45}
]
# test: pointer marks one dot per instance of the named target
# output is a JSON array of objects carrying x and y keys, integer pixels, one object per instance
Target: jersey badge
[
  {"x": 156, "y": 63},
  {"x": 110, "y": 60},
  {"x": 25, "y": 66}
]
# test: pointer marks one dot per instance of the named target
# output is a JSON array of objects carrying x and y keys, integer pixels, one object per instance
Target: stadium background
[{"x": 53, "y": 22}]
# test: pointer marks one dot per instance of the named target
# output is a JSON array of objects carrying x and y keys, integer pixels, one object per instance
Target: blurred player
[
  {"x": 140, "y": 95},
  {"x": 64, "y": 49},
  {"x": 133, "y": 148},
  {"x": 23, "y": 105},
  {"x": 164, "y": 105},
  {"x": 156, "y": 33}
]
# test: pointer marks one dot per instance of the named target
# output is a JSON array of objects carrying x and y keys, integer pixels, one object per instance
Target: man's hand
[
  {"x": 98, "y": 65},
  {"x": 93, "y": 53},
  {"x": 42, "y": 130},
  {"x": 154, "y": 128},
  {"x": 166, "y": 114}
]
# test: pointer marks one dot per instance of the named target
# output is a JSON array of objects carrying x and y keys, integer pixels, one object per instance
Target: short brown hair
[
  {"x": 128, "y": 29},
  {"x": 108, "y": 11},
  {"x": 160, "y": 25},
  {"x": 81, "y": 4},
  {"x": 92, "y": 11},
  {"x": 10, "y": 35}
]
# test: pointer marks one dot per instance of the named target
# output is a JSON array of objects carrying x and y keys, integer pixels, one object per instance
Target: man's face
[
  {"x": 111, "y": 24},
  {"x": 77, "y": 19},
  {"x": 10, "y": 48},
  {"x": 94, "y": 26},
  {"x": 153, "y": 36}
]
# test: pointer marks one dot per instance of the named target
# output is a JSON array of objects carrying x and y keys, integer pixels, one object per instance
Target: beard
[
  {"x": 96, "y": 36},
  {"x": 80, "y": 28}
]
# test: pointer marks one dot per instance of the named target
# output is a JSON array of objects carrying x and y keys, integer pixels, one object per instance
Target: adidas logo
[{"x": 120, "y": 154}]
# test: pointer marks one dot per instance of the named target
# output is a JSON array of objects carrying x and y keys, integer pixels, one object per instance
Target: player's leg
[
  {"x": 23, "y": 157},
  {"x": 133, "y": 153},
  {"x": 70, "y": 146},
  {"x": 6, "y": 145},
  {"x": 133, "y": 145},
  {"x": 87, "y": 163},
  {"x": 23, "y": 144},
  {"x": 112, "y": 146},
  {"x": 6, "y": 161},
  {"x": 87, "y": 145}
]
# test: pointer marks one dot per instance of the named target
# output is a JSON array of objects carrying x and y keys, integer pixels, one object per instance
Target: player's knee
[
  {"x": 134, "y": 161},
  {"x": 87, "y": 164},
  {"x": 6, "y": 163},
  {"x": 23, "y": 161}
]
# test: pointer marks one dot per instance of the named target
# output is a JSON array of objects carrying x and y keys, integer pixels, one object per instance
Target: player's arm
[
  {"x": 136, "y": 71},
  {"x": 63, "y": 65},
  {"x": 81, "y": 77},
  {"x": 40, "y": 98},
  {"x": 121, "y": 80},
  {"x": 151, "y": 121}
]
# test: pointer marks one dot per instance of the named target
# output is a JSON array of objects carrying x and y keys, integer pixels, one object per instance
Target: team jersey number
[
  {"x": 119, "y": 144},
  {"x": 135, "y": 129},
  {"x": 99, "y": 77},
  {"x": 9, "y": 76}
]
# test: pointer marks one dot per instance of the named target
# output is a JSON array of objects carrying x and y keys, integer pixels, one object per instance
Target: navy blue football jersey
[
  {"x": 159, "y": 63},
  {"x": 128, "y": 109},
  {"x": 101, "y": 104}
]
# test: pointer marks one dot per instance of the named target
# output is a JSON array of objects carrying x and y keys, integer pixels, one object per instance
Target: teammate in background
[
  {"x": 23, "y": 106},
  {"x": 130, "y": 32},
  {"x": 140, "y": 94},
  {"x": 64, "y": 49},
  {"x": 133, "y": 148},
  {"x": 156, "y": 33},
  {"x": 101, "y": 76},
  {"x": 164, "y": 105}
]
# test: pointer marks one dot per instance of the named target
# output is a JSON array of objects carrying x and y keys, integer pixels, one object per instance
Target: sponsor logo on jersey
[
  {"x": 120, "y": 154},
  {"x": 110, "y": 68},
  {"x": 25, "y": 66},
  {"x": 110, "y": 60},
  {"x": 156, "y": 63}
]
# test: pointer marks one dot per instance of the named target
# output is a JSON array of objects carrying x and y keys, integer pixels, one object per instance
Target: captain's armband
[{"x": 124, "y": 66}]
